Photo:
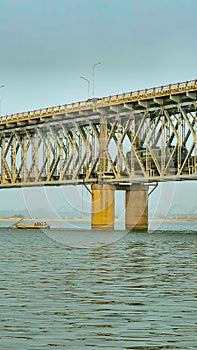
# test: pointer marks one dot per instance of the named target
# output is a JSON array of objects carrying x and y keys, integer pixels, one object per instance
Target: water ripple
[{"x": 137, "y": 293}]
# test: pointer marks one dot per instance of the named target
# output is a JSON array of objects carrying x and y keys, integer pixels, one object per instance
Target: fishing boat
[{"x": 36, "y": 225}]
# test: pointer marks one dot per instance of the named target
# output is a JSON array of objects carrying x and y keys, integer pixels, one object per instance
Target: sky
[{"x": 47, "y": 45}]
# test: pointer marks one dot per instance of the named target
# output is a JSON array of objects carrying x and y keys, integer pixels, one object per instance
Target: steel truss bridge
[{"x": 143, "y": 136}]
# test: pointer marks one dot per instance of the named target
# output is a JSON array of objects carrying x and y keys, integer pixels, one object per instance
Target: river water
[{"x": 129, "y": 291}]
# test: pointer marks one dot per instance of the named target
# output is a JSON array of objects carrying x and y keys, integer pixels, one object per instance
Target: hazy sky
[{"x": 46, "y": 45}]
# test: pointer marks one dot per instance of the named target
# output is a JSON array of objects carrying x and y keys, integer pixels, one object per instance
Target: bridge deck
[{"x": 182, "y": 92}]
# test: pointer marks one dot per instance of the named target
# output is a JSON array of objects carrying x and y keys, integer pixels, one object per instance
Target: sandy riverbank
[{"x": 15, "y": 219}]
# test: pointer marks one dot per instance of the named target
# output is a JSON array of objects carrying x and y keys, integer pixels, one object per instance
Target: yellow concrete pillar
[
  {"x": 136, "y": 211},
  {"x": 102, "y": 207}
]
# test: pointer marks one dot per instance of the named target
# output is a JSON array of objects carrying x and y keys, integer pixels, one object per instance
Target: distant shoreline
[{"x": 15, "y": 219}]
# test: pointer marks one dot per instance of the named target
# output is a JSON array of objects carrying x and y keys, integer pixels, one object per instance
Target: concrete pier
[
  {"x": 102, "y": 207},
  {"x": 136, "y": 208}
]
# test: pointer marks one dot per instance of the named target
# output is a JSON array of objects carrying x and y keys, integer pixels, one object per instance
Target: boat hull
[{"x": 30, "y": 227}]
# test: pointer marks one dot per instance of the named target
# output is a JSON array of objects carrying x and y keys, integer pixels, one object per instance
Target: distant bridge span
[{"x": 137, "y": 137}]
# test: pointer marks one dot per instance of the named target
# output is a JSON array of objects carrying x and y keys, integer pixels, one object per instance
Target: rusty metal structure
[{"x": 137, "y": 137}]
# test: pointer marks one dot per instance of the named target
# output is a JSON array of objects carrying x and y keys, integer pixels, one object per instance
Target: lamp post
[
  {"x": 88, "y": 85},
  {"x": 1, "y": 86},
  {"x": 93, "y": 69}
]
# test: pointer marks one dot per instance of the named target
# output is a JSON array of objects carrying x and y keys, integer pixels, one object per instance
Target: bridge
[{"x": 129, "y": 141}]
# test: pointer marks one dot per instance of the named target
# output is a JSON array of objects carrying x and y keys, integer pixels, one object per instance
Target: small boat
[{"x": 37, "y": 226}]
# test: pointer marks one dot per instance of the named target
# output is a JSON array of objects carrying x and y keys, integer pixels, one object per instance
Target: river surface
[{"x": 109, "y": 290}]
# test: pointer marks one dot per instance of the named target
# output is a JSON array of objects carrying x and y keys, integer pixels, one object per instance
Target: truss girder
[{"x": 135, "y": 143}]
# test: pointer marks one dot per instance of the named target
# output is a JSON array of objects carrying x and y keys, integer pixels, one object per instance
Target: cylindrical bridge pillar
[
  {"x": 136, "y": 211},
  {"x": 102, "y": 206}
]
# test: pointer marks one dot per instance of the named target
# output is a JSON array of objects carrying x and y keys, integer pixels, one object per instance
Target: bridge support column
[
  {"x": 136, "y": 211},
  {"x": 102, "y": 207}
]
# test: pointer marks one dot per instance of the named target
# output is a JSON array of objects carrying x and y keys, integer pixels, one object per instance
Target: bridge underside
[{"x": 135, "y": 138}]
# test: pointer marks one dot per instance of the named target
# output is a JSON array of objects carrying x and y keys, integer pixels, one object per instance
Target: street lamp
[
  {"x": 1, "y": 86},
  {"x": 88, "y": 85},
  {"x": 93, "y": 69}
]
